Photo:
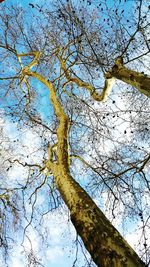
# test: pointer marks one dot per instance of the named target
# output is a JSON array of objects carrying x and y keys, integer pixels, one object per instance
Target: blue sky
[{"x": 60, "y": 251}]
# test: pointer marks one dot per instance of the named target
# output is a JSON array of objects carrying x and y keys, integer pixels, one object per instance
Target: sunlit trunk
[
  {"x": 136, "y": 79},
  {"x": 104, "y": 243}
]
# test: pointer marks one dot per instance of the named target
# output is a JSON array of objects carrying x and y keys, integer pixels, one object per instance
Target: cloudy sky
[{"x": 61, "y": 248}]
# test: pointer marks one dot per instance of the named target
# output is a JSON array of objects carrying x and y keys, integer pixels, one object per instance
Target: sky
[{"x": 61, "y": 248}]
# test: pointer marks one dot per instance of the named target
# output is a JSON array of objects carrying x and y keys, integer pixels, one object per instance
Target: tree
[{"x": 59, "y": 56}]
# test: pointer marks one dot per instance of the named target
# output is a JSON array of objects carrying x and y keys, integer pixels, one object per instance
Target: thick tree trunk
[
  {"x": 138, "y": 80},
  {"x": 106, "y": 246}
]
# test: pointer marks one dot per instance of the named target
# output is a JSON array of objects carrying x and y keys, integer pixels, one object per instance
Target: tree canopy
[{"x": 75, "y": 114}]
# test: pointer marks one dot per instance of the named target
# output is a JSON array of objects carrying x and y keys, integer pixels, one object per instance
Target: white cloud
[
  {"x": 17, "y": 173},
  {"x": 135, "y": 238},
  {"x": 53, "y": 253},
  {"x": 58, "y": 245}
]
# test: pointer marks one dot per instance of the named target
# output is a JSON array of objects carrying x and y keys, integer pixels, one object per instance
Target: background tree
[{"x": 70, "y": 58}]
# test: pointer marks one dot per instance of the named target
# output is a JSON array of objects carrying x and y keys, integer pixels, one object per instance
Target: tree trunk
[
  {"x": 139, "y": 80},
  {"x": 104, "y": 243}
]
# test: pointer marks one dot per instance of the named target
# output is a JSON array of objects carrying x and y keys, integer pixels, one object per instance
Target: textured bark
[
  {"x": 106, "y": 246},
  {"x": 138, "y": 80}
]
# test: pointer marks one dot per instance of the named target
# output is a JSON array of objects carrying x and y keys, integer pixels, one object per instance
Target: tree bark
[
  {"x": 136, "y": 79},
  {"x": 104, "y": 243}
]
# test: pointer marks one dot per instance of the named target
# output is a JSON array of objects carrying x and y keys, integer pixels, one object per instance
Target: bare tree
[{"x": 68, "y": 56}]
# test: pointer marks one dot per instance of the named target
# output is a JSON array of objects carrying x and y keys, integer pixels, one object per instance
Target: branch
[
  {"x": 9, "y": 78},
  {"x": 94, "y": 170},
  {"x": 144, "y": 163},
  {"x": 34, "y": 62},
  {"x": 27, "y": 164},
  {"x": 64, "y": 122},
  {"x": 136, "y": 79},
  {"x": 109, "y": 82},
  {"x": 36, "y": 120}
]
